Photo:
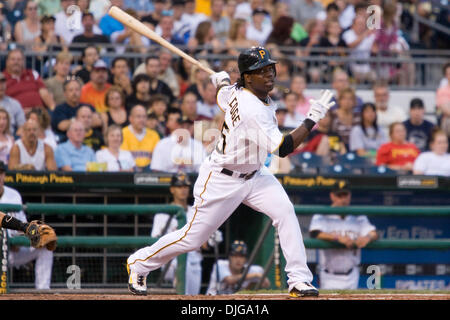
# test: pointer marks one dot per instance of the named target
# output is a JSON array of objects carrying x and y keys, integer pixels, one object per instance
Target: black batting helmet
[
  {"x": 238, "y": 247},
  {"x": 253, "y": 59}
]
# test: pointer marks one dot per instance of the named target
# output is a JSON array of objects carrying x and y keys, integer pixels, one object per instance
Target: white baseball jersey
[
  {"x": 171, "y": 156},
  {"x": 224, "y": 271},
  {"x": 340, "y": 260},
  {"x": 250, "y": 130},
  {"x": 43, "y": 257},
  {"x": 249, "y": 133}
]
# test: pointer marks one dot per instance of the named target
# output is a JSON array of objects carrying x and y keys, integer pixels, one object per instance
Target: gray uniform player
[{"x": 234, "y": 173}]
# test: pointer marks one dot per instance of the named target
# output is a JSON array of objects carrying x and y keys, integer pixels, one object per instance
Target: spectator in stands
[
  {"x": 280, "y": 114},
  {"x": 94, "y": 91},
  {"x": 204, "y": 40},
  {"x": 67, "y": 21},
  {"x": 208, "y": 106},
  {"x": 63, "y": 113},
  {"x": 180, "y": 28},
  {"x": 115, "y": 158},
  {"x": 173, "y": 120},
  {"x": 31, "y": 153},
  {"x": 418, "y": 129},
  {"x": 89, "y": 56},
  {"x": 25, "y": 85},
  {"x": 93, "y": 137},
  {"x": 386, "y": 113},
  {"x": 115, "y": 103},
  {"x": 26, "y": 30},
  {"x": 398, "y": 154},
  {"x": 22, "y": 255},
  {"x": 120, "y": 75},
  {"x": 323, "y": 142},
  {"x": 128, "y": 40},
  {"x": 165, "y": 25},
  {"x": 232, "y": 68},
  {"x": 316, "y": 31},
  {"x": 283, "y": 80},
  {"x": 142, "y": 8},
  {"x": 48, "y": 40},
  {"x": 178, "y": 152},
  {"x": 139, "y": 140},
  {"x": 11, "y": 106},
  {"x": 298, "y": 86},
  {"x": 62, "y": 70},
  {"x": 220, "y": 23},
  {"x": 346, "y": 13},
  {"x": 167, "y": 74},
  {"x": 360, "y": 40},
  {"x": 191, "y": 17},
  {"x": 6, "y": 139},
  {"x": 437, "y": 160},
  {"x": 443, "y": 101},
  {"x": 341, "y": 81},
  {"x": 197, "y": 78},
  {"x": 88, "y": 35},
  {"x": 339, "y": 268},
  {"x": 226, "y": 274},
  {"x": 73, "y": 155},
  {"x": 366, "y": 138},
  {"x": 293, "y": 118},
  {"x": 237, "y": 37},
  {"x": 141, "y": 92},
  {"x": 304, "y": 10},
  {"x": 108, "y": 24},
  {"x": 258, "y": 30},
  {"x": 189, "y": 105},
  {"x": 14, "y": 11},
  {"x": 152, "y": 67},
  {"x": 344, "y": 117},
  {"x": 155, "y": 15},
  {"x": 45, "y": 133},
  {"x": 158, "y": 107}
]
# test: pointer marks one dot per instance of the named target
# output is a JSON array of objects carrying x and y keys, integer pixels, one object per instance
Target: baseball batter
[{"x": 234, "y": 173}]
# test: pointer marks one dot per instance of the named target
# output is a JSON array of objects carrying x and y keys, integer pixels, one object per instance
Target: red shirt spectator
[
  {"x": 25, "y": 85},
  {"x": 397, "y": 154}
]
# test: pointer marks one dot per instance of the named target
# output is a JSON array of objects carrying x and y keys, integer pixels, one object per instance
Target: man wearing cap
[
  {"x": 339, "y": 268},
  {"x": 231, "y": 272},
  {"x": 163, "y": 223},
  {"x": 259, "y": 29},
  {"x": 418, "y": 129},
  {"x": 12, "y": 106},
  {"x": 94, "y": 91},
  {"x": 14, "y": 221}
]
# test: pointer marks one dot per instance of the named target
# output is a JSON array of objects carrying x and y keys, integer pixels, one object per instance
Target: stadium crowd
[{"x": 113, "y": 114}]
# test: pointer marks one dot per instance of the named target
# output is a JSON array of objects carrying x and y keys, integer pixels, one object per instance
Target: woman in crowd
[
  {"x": 115, "y": 158},
  {"x": 197, "y": 78},
  {"x": 344, "y": 117},
  {"x": 237, "y": 37},
  {"x": 298, "y": 85},
  {"x": 204, "y": 40},
  {"x": 437, "y": 161},
  {"x": 6, "y": 139},
  {"x": 398, "y": 154},
  {"x": 48, "y": 40},
  {"x": 116, "y": 114},
  {"x": 366, "y": 138},
  {"x": 26, "y": 30}
]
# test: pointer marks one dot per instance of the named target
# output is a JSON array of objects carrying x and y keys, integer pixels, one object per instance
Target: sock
[{"x": 12, "y": 223}]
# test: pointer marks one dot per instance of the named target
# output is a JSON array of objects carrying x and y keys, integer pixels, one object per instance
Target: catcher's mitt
[{"x": 41, "y": 235}]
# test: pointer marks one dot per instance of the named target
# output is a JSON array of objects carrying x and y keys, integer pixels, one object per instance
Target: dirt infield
[{"x": 327, "y": 296}]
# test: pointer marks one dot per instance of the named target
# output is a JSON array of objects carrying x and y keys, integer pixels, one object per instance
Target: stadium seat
[
  {"x": 379, "y": 170},
  {"x": 352, "y": 160},
  {"x": 335, "y": 169},
  {"x": 307, "y": 162}
]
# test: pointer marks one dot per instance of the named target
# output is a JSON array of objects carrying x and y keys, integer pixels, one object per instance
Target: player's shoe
[
  {"x": 304, "y": 289},
  {"x": 137, "y": 283}
]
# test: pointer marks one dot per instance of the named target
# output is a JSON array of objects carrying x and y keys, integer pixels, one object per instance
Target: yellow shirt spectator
[
  {"x": 141, "y": 146},
  {"x": 203, "y": 6}
]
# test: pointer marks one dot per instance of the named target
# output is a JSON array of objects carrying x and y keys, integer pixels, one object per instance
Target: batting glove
[
  {"x": 220, "y": 78},
  {"x": 215, "y": 238},
  {"x": 320, "y": 107}
]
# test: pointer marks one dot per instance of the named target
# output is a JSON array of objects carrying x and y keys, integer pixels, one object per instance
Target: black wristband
[
  {"x": 309, "y": 124},
  {"x": 12, "y": 223},
  {"x": 286, "y": 147}
]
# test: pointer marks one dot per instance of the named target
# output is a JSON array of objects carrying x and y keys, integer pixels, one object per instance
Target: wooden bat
[{"x": 142, "y": 29}]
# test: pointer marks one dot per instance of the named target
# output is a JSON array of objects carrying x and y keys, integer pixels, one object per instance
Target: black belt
[
  {"x": 245, "y": 176},
  {"x": 340, "y": 273}
]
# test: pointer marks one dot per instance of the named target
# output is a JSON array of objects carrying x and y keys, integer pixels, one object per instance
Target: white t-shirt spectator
[
  {"x": 361, "y": 51},
  {"x": 171, "y": 156},
  {"x": 431, "y": 163},
  {"x": 259, "y": 35},
  {"x": 124, "y": 162}
]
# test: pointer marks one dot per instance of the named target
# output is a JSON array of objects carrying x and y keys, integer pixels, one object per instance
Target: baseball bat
[{"x": 142, "y": 29}]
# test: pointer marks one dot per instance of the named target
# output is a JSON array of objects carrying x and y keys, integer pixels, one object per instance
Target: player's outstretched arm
[{"x": 317, "y": 111}]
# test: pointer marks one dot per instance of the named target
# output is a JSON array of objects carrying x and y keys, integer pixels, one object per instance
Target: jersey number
[{"x": 225, "y": 131}]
